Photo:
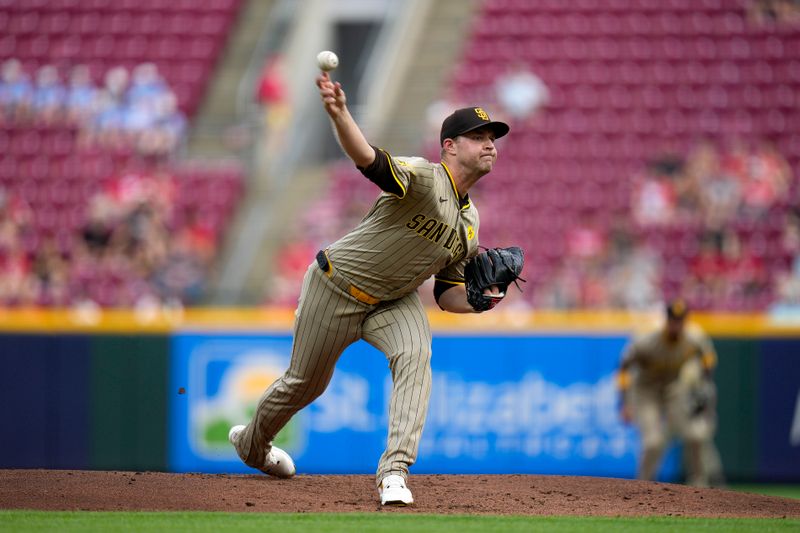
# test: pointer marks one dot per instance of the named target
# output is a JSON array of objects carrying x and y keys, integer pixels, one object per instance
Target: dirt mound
[{"x": 442, "y": 494}]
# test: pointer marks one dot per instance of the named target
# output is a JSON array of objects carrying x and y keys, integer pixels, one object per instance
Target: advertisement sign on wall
[{"x": 499, "y": 405}]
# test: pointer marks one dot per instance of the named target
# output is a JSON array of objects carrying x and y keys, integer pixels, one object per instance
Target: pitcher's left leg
[{"x": 400, "y": 330}]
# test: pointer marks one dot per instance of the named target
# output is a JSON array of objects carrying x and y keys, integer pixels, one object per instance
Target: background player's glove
[
  {"x": 701, "y": 398},
  {"x": 496, "y": 266}
]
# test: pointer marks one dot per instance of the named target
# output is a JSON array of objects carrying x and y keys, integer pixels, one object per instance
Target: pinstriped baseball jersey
[
  {"x": 406, "y": 238},
  {"x": 666, "y": 377},
  {"x": 364, "y": 288}
]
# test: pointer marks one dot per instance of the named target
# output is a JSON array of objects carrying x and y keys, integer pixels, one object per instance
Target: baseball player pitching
[{"x": 364, "y": 286}]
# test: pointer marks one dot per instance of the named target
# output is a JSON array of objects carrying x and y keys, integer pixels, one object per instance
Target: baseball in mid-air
[{"x": 327, "y": 60}]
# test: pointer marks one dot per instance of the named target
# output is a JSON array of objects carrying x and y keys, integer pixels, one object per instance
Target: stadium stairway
[
  {"x": 437, "y": 48},
  {"x": 218, "y": 112}
]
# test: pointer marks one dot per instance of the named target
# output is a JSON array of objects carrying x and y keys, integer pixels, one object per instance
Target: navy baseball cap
[{"x": 468, "y": 119}]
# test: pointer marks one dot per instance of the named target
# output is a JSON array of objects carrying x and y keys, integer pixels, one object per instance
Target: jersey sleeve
[
  {"x": 708, "y": 356},
  {"x": 631, "y": 353},
  {"x": 392, "y": 175},
  {"x": 453, "y": 274},
  {"x": 630, "y": 356},
  {"x": 449, "y": 277}
]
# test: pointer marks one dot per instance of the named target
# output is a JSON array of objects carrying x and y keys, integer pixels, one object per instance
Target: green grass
[
  {"x": 65, "y": 522},
  {"x": 785, "y": 491}
]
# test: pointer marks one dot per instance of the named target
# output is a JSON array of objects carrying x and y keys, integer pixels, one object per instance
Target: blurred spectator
[
  {"x": 16, "y": 92},
  {"x": 138, "y": 116},
  {"x": 49, "y": 96},
  {"x": 151, "y": 118},
  {"x": 81, "y": 95},
  {"x": 146, "y": 85},
  {"x": 146, "y": 238},
  {"x": 520, "y": 92},
  {"x": 291, "y": 266},
  {"x": 634, "y": 277},
  {"x": 139, "y": 236},
  {"x": 51, "y": 275},
  {"x": 586, "y": 240},
  {"x": 15, "y": 216},
  {"x": 705, "y": 283},
  {"x": 127, "y": 189},
  {"x": 787, "y": 301},
  {"x": 166, "y": 131},
  {"x": 162, "y": 192},
  {"x": 17, "y": 286},
  {"x": 594, "y": 286},
  {"x": 774, "y": 11},
  {"x": 181, "y": 276},
  {"x": 655, "y": 199},
  {"x": 562, "y": 290},
  {"x": 107, "y": 122},
  {"x": 16, "y": 283},
  {"x": 273, "y": 96},
  {"x": 272, "y": 93},
  {"x": 790, "y": 240},
  {"x": 133, "y": 187},
  {"x": 720, "y": 191},
  {"x": 576, "y": 284},
  {"x": 198, "y": 236},
  {"x": 744, "y": 273},
  {"x": 99, "y": 225},
  {"x": 765, "y": 182},
  {"x": 735, "y": 160}
]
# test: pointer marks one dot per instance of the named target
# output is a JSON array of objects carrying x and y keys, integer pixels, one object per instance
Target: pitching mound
[{"x": 484, "y": 494}]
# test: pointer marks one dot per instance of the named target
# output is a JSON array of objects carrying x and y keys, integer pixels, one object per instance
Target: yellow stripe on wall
[
  {"x": 501, "y": 321},
  {"x": 147, "y": 321}
]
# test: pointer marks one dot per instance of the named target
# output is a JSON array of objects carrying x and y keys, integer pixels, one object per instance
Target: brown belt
[{"x": 325, "y": 265}]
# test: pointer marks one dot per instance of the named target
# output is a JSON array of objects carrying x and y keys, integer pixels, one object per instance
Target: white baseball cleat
[
  {"x": 233, "y": 434},
  {"x": 393, "y": 491},
  {"x": 277, "y": 462}
]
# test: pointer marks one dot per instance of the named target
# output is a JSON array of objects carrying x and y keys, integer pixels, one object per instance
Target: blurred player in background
[{"x": 667, "y": 391}]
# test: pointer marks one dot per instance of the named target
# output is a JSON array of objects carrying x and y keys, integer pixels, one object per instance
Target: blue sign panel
[
  {"x": 499, "y": 405},
  {"x": 779, "y": 420}
]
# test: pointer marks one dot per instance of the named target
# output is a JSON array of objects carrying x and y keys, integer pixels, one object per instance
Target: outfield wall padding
[{"x": 109, "y": 400}]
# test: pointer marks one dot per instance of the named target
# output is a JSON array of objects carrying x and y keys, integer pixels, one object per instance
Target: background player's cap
[
  {"x": 677, "y": 309},
  {"x": 468, "y": 119}
]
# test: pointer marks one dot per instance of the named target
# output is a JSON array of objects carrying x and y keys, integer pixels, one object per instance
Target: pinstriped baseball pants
[{"x": 329, "y": 320}]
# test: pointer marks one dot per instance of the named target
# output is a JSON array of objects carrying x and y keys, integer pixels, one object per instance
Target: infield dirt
[{"x": 437, "y": 494}]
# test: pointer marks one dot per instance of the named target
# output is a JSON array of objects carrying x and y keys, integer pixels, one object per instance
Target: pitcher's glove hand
[{"x": 495, "y": 266}]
